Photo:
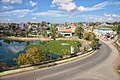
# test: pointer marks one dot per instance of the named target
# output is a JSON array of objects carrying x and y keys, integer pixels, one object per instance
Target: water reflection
[{"x": 11, "y": 49}]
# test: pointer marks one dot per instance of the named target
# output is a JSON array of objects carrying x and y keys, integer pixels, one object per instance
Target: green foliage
[
  {"x": 6, "y": 33},
  {"x": 53, "y": 32},
  {"x": 56, "y": 47},
  {"x": 89, "y": 36},
  {"x": 44, "y": 33},
  {"x": 115, "y": 27},
  {"x": 79, "y": 31},
  {"x": 32, "y": 56},
  {"x": 60, "y": 35},
  {"x": 94, "y": 43}
]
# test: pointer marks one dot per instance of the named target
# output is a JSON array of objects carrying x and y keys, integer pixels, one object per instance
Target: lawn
[{"x": 58, "y": 47}]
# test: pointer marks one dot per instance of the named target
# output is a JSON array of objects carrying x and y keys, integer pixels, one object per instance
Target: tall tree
[
  {"x": 79, "y": 31},
  {"x": 53, "y": 33}
]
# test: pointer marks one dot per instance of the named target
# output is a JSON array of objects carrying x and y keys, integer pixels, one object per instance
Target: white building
[
  {"x": 67, "y": 31},
  {"x": 103, "y": 31}
]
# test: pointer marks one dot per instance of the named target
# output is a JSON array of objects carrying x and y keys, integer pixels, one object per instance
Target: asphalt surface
[{"x": 97, "y": 66}]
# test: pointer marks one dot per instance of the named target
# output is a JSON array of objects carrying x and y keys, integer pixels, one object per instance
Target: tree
[
  {"x": 44, "y": 33},
  {"x": 116, "y": 28},
  {"x": 13, "y": 26},
  {"x": 43, "y": 24},
  {"x": 32, "y": 56},
  {"x": 94, "y": 25},
  {"x": 53, "y": 33},
  {"x": 48, "y": 23},
  {"x": 1, "y": 27},
  {"x": 94, "y": 43},
  {"x": 79, "y": 31},
  {"x": 6, "y": 33},
  {"x": 89, "y": 36}
]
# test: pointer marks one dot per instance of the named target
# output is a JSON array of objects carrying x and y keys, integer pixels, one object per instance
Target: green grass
[{"x": 55, "y": 47}]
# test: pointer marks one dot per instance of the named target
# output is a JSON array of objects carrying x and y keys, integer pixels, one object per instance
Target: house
[
  {"x": 67, "y": 31},
  {"x": 103, "y": 31}
]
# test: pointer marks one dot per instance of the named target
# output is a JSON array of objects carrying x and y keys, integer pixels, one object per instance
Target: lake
[{"x": 11, "y": 49}]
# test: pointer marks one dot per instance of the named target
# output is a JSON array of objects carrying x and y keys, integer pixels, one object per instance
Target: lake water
[{"x": 11, "y": 49}]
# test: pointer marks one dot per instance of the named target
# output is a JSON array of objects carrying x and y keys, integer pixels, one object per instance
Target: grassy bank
[{"x": 58, "y": 47}]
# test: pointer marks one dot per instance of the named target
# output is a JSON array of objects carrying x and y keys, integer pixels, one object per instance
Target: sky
[{"x": 59, "y": 11}]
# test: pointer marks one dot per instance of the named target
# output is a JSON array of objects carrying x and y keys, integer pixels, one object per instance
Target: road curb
[{"x": 44, "y": 65}]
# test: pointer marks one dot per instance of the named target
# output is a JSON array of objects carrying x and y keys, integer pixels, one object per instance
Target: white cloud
[
  {"x": 61, "y": 1},
  {"x": 34, "y": 18},
  {"x": 93, "y": 8},
  {"x": 82, "y": 9},
  {"x": 67, "y": 5},
  {"x": 7, "y": 7},
  {"x": 33, "y": 3},
  {"x": 18, "y": 12},
  {"x": 92, "y": 18},
  {"x": 107, "y": 15},
  {"x": 9, "y": 19},
  {"x": 115, "y": 15},
  {"x": 12, "y": 1},
  {"x": 112, "y": 15},
  {"x": 52, "y": 13},
  {"x": 109, "y": 19}
]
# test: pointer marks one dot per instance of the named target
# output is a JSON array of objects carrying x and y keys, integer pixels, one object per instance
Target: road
[{"x": 98, "y": 66}]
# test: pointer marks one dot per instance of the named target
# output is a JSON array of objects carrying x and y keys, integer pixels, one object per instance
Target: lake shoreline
[
  {"x": 25, "y": 38},
  {"x": 36, "y": 38}
]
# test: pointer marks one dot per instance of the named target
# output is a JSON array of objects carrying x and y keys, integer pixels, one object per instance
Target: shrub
[
  {"x": 94, "y": 43},
  {"x": 32, "y": 56},
  {"x": 89, "y": 36}
]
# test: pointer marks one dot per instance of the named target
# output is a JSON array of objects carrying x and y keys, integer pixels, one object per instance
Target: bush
[
  {"x": 32, "y": 56},
  {"x": 94, "y": 43},
  {"x": 89, "y": 36}
]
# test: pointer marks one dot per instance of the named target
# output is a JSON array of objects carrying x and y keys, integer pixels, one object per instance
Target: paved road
[{"x": 97, "y": 66}]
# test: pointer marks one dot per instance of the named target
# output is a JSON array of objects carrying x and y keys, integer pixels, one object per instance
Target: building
[
  {"x": 67, "y": 31},
  {"x": 103, "y": 31}
]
